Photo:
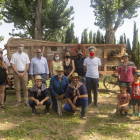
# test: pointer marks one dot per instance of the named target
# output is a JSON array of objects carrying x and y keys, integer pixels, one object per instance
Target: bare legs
[{"x": 2, "y": 89}]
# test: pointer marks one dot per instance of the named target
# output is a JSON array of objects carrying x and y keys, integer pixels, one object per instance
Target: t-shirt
[
  {"x": 92, "y": 67},
  {"x": 20, "y": 60},
  {"x": 135, "y": 90},
  {"x": 44, "y": 94},
  {"x": 69, "y": 91},
  {"x": 123, "y": 98},
  {"x": 79, "y": 68}
]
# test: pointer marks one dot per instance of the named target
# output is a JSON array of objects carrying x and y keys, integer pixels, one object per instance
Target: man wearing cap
[
  {"x": 92, "y": 66},
  {"x": 79, "y": 68},
  {"x": 39, "y": 66},
  {"x": 76, "y": 95},
  {"x": 8, "y": 64},
  {"x": 126, "y": 70},
  {"x": 39, "y": 95},
  {"x": 58, "y": 85},
  {"x": 20, "y": 64}
]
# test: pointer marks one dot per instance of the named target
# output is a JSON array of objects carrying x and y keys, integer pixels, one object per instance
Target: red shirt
[
  {"x": 123, "y": 98},
  {"x": 136, "y": 90}
]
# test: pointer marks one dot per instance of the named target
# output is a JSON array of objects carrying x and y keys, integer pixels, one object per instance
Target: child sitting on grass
[
  {"x": 123, "y": 100},
  {"x": 136, "y": 93}
]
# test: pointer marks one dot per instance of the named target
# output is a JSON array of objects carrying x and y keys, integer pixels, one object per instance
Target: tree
[
  {"x": 121, "y": 40},
  {"x": 98, "y": 37},
  {"x": 110, "y": 14},
  {"x": 90, "y": 37},
  {"x": 84, "y": 38},
  {"x": 128, "y": 47},
  {"x": 39, "y": 19},
  {"x": 114, "y": 41},
  {"x": 1, "y": 17},
  {"x": 94, "y": 38},
  {"x": 124, "y": 38}
]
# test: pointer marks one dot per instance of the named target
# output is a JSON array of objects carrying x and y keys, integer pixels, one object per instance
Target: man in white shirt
[
  {"x": 20, "y": 64},
  {"x": 92, "y": 66},
  {"x": 8, "y": 64},
  {"x": 39, "y": 66}
]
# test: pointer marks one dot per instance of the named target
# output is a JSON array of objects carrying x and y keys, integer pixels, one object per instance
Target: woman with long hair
[
  {"x": 3, "y": 79},
  {"x": 54, "y": 64},
  {"x": 68, "y": 65}
]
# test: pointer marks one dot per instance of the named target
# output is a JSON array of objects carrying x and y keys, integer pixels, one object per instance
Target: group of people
[{"x": 70, "y": 79}]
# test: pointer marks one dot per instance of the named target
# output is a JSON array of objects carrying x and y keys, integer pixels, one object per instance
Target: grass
[{"x": 18, "y": 123}]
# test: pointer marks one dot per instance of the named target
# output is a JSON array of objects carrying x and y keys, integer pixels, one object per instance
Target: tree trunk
[
  {"x": 38, "y": 23},
  {"x": 110, "y": 36}
]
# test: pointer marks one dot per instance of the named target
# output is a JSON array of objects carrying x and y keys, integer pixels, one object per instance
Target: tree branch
[{"x": 48, "y": 36}]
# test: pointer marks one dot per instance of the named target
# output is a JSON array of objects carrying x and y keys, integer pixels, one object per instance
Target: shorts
[
  {"x": 3, "y": 83},
  {"x": 135, "y": 101},
  {"x": 122, "y": 109}
]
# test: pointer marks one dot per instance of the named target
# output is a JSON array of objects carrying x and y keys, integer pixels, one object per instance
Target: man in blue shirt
[
  {"x": 39, "y": 66},
  {"x": 58, "y": 85},
  {"x": 39, "y": 95}
]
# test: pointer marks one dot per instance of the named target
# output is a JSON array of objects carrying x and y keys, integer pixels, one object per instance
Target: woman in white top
[{"x": 54, "y": 64}]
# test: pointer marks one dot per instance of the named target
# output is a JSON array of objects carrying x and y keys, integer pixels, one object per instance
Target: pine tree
[
  {"x": 121, "y": 40},
  {"x": 124, "y": 38},
  {"x": 98, "y": 37},
  {"x": 114, "y": 42},
  {"x": 128, "y": 47},
  {"x": 82, "y": 38},
  {"x": 94, "y": 38},
  {"x": 85, "y": 36}
]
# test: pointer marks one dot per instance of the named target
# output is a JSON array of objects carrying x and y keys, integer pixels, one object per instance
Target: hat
[
  {"x": 123, "y": 84},
  {"x": 126, "y": 54},
  {"x": 75, "y": 75},
  {"x": 92, "y": 47},
  {"x": 136, "y": 73},
  {"x": 60, "y": 68},
  {"x": 38, "y": 77}
]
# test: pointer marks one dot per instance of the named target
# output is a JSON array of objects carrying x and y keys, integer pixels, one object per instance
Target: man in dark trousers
[{"x": 79, "y": 67}]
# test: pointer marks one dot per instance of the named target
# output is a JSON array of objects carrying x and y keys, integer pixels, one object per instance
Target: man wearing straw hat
[
  {"x": 76, "y": 95},
  {"x": 39, "y": 95},
  {"x": 58, "y": 85}
]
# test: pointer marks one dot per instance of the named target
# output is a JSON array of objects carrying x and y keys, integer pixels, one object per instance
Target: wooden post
[
  {"x": 64, "y": 49},
  {"x": 43, "y": 51},
  {"x": 105, "y": 59},
  {"x": 32, "y": 51}
]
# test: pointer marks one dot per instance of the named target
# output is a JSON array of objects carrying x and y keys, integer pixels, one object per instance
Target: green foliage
[
  {"x": 128, "y": 47},
  {"x": 114, "y": 42},
  {"x": 110, "y": 14},
  {"x": 121, "y": 40},
  {"x": 84, "y": 38},
  {"x": 124, "y": 38},
  {"x": 55, "y": 17},
  {"x": 90, "y": 37},
  {"x": 94, "y": 38}
]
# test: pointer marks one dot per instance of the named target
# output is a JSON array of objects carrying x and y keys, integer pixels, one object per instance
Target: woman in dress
[
  {"x": 3, "y": 79},
  {"x": 68, "y": 65},
  {"x": 126, "y": 70},
  {"x": 54, "y": 64}
]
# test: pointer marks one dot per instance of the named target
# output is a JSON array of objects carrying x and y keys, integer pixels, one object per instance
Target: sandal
[{"x": 3, "y": 106}]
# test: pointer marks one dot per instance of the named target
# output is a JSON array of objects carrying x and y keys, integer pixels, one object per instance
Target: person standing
[
  {"x": 126, "y": 70},
  {"x": 79, "y": 68},
  {"x": 8, "y": 64},
  {"x": 39, "y": 66},
  {"x": 20, "y": 64},
  {"x": 92, "y": 66},
  {"x": 3, "y": 79},
  {"x": 54, "y": 64},
  {"x": 58, "y": 85},
  {"x": 68, "y": 65}
]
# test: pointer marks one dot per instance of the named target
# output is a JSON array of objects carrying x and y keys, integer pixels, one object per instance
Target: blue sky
[{"x": 83, "y": 18}]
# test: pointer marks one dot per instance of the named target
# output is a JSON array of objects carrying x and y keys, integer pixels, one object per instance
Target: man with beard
[
  {"x": 76, "y": 95},
  {"x": 79, "y": 67},
  {"x": 58, "y": 85}
]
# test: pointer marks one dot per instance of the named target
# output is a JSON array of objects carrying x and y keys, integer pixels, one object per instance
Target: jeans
[
  {"x": 80, "y": 102},
  {"x": 83, "y": 80},
  {"x": 33, "y": 104},
  {"x": 129, "y": 90},
  {"x": 44, "y": 77},
  {"x": 94, "y": 82}
]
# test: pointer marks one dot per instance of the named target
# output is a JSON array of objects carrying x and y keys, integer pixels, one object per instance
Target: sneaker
[
  {"x": 47, "y": 112},
  {"x": 83, "y": 116},
  {"x": 89, "y": 104},
  {"x": 34, "y": 112},
  {"x": 130, "y": 106},
  {"x": 134, "y": 113},
  {"x": 26, "y": 104},
  {"x": 18, "y": 104},
  {"x": 139, "y": 114},
  {"x": 96, "y": 105},
  {"x": 126, "y": 115}
]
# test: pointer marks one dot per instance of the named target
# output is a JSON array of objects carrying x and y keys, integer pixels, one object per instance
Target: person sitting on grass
[
  {"x": 39, "y": 95},
  {"x": 76, "y": 95},
  {"x": 136, "y": 93},
  {"x": 123, "y": 100}
]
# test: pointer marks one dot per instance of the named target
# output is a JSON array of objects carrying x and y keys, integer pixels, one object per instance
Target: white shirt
[
  {"x": 6, "y": 60},
  {"x": 20, "y": 60},
  {"x": 39, "y": 66},
  {"x": 92, "y": 67}
]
